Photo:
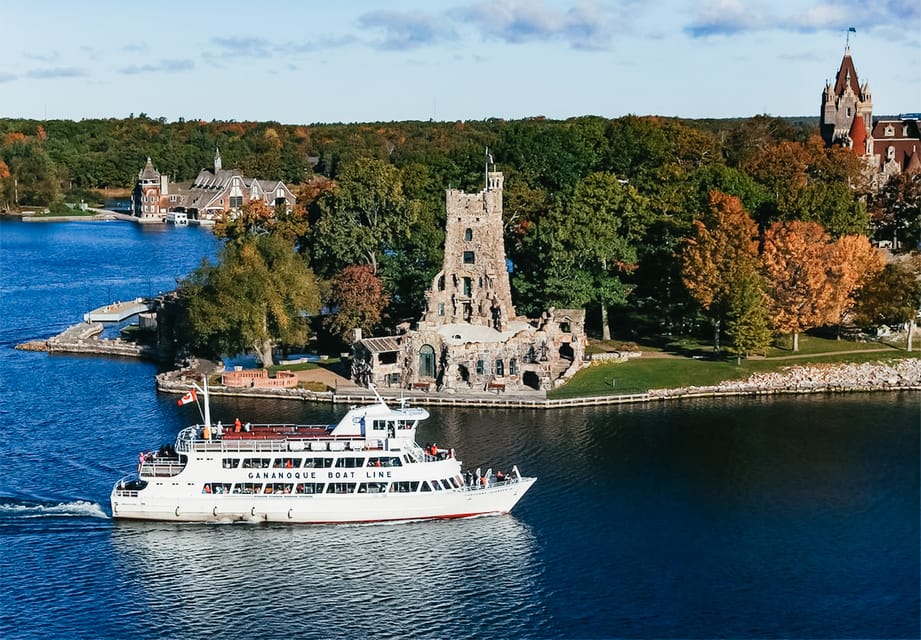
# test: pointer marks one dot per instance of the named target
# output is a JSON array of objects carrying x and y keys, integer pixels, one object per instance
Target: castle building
[
  {"x": 889, "y": 145},
  {"x": 469, "y": 337},
  {"x": 211, "y": 196}
]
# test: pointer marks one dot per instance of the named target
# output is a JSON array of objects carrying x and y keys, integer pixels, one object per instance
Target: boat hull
[{"x": 321, "y": 508}]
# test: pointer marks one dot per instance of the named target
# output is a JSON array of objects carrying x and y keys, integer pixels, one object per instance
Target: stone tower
[
  {"x": 217, "y": 160},
  {"x": 846, "y": 117},
  {"x": 473, "y": 284}
]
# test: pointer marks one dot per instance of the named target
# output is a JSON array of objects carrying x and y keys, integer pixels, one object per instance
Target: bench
[
  {"x": 420, "y": 386},
  {"x": 495, "y": 386}
]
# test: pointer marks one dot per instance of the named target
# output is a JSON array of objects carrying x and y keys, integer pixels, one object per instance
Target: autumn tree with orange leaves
[
  {"x": 812, "y": 279},
  {"x": 358, "y": 299},
  {"x": 721, "y": 252}
]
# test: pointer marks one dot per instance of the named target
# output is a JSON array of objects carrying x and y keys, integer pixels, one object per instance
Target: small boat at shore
[{"x": 368, "y": 467}]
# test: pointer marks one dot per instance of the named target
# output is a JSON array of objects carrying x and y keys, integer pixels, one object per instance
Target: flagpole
[{"x": 207, "y": 403}]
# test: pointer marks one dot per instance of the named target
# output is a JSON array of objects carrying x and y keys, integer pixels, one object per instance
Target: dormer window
[{"x": 890, "y": 131}]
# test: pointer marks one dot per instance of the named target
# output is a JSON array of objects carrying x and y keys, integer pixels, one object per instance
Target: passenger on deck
[
  {"x": 237, "y": 425},
  {"x": 500, "y": 477},
  {"x": 246, "y": 427},
  {"x": 206, "y": 432},
  {"x": 219, "y": 431}
]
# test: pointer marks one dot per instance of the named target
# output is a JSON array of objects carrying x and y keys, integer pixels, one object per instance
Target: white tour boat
[{"x": 366, "y": 468}]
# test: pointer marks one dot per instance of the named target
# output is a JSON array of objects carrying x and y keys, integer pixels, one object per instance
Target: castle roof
[
  {"x": 148, "y": 172},
  {"x": 847, "y": 75}
]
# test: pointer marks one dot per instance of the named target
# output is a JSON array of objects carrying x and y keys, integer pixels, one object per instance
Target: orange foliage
[
  {"x": 14, "y": 137},
  {"x": 4, "y": 170},
  {"x": 813, "y": 279},
  {"x": 719, "y": 248}
]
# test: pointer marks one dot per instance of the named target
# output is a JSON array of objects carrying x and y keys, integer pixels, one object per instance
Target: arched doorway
[{"x": 426, "y": 361}]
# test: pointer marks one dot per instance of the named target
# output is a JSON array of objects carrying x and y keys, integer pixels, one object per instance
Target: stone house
[{"x": 470, "y": 337}]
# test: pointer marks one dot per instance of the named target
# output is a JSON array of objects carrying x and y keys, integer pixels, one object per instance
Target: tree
[
  {"x": 747, "y": 321},
  {"x": 592, "y": 242},
  {"x": 896, "y": 212},
  {"x": 721, "y": 251},
  {"x": 358, "y": 299},
  {"x": 258, "y": 295},
  {"x": 892, "y": 296},
  {"x": 362, "y": 217},
  {"x": 851, "y": 264}
]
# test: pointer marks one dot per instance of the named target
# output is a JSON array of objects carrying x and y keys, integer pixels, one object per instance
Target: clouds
[
  {"x": 582, "y": 26},
  {"x": 402, "y": 30},
  {"x": 54, "y": 73},
  {"x": 167, "y": 66},
  {"x": 732, "y": 17}
]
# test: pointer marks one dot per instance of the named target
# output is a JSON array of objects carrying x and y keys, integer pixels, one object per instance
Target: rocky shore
[{"x": 902, "y": 375}]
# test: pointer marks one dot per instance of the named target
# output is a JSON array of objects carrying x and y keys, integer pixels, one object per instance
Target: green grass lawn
[{"x": 641, "y": 374}]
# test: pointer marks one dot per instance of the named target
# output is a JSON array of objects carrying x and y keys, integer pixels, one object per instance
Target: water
[{"x": 790, "y": 517}]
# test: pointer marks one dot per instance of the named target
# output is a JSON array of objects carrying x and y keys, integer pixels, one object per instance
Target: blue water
[{"x": 742, "y": 518}]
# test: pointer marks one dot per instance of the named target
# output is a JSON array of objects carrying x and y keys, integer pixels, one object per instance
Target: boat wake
[{"x": 12, "y": 509}]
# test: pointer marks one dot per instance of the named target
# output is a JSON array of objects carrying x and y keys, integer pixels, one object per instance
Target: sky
[{"x": 307, "y": 61}]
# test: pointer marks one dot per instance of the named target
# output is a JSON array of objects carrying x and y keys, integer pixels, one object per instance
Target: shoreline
[{"x": 905, "y": 375}]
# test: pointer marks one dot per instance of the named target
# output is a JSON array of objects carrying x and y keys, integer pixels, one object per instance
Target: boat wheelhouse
[{"x": 368, "y": 467}]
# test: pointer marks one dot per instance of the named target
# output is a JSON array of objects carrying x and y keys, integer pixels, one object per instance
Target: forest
[{"x": 745, "y": 229}]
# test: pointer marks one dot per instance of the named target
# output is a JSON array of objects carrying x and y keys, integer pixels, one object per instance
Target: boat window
[
  {"x": 404, "y": 424},
  {"x": 350, "y": 462},
  {"x": 287, "y": 463},
  {"x": 372, "y": 487},
  {"x": 425, "y": 487},
  {"x": 256, "y": 463},
  {"x": 385, "y": 461},
  {"x": 247, "y": 487},
  {"x": 340, "y": 487},
  {"x": 435, "y": 485},
  {"x": 318, "y": 463},
  {"x": 309, "y": 487},
  {"x": 279, "y": 487},
  {"x": 446, "y": 485},
  {"x": 457, "y": 485},
  {"x": 231, "y": 463},
  {"x": 216, "y": 487},
  {"x": 404, "y": 487}
]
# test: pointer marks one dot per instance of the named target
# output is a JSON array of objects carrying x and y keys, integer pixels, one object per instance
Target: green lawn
[{"x": 641, "y": 374}]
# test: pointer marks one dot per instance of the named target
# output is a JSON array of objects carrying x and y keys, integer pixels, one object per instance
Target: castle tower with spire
[{"x": 846, "y": 116}]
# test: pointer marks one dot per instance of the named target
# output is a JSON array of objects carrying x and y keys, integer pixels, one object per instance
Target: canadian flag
[{"x": 187, "y": 398}]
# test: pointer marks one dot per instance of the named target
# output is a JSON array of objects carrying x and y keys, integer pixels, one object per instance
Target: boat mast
[{"x": 207, "y": 403}]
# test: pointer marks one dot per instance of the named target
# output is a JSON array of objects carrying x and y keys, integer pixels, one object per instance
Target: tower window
[
  {"x": 468, "y": 234},
  {"x": 500, "y": 368},
  {"x": 469, "y": 257}
]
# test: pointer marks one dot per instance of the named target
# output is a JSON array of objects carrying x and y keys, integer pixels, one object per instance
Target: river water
[{"x": 739, "y": 518}]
